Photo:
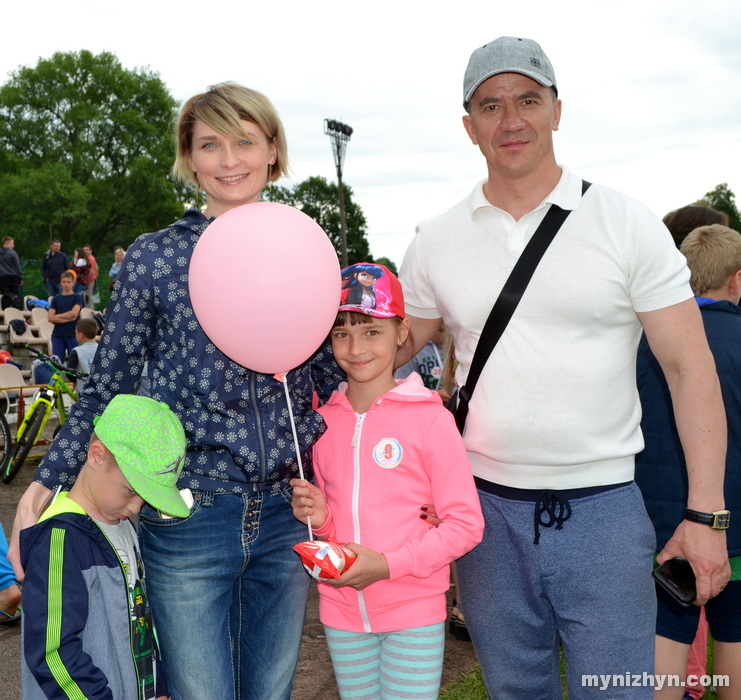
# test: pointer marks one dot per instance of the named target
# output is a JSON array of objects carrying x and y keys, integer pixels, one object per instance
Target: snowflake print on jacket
[{"x": 236, "y": 421}]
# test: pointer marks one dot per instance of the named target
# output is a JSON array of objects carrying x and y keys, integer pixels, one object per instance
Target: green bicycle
[
  {"x": 4, "y": 438},
  {"x": 47, "y": 398}
]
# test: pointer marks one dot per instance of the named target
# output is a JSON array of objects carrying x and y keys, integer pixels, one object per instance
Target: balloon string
[{"x": 281, "y": 377}]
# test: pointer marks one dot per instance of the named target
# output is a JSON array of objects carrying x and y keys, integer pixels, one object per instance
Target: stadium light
[{"x": 339, "y": 134}]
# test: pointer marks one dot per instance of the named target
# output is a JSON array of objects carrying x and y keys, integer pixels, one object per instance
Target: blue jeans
[
  {"x": 228, "y": 595},
  {"x": 588, "y": 584},
  {"x": 63, "y": 345},
  {"x": 53, "y": 288}
]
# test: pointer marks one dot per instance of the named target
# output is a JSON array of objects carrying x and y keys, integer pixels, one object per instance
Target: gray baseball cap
[{"x": 507, "y": 54}]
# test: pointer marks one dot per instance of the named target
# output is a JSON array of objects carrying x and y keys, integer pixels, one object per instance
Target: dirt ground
[{"x": 314, "y": 679}]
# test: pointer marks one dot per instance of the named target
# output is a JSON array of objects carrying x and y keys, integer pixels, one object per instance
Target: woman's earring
[{"x": 400, "y": 343}]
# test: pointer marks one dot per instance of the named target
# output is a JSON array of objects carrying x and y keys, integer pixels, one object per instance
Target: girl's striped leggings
[{"x": 405, "y": 664}]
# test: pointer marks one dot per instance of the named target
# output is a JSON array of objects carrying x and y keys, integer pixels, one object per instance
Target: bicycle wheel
[
  {"x": 29, "y": 431},
  {"x": 5, "y": 441}
]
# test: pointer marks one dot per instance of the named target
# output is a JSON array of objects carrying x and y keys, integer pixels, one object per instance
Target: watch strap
[{"x": 718, "y": 520}]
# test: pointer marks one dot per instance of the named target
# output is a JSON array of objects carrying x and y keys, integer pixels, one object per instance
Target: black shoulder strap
[{"x": 508, "y": 300}]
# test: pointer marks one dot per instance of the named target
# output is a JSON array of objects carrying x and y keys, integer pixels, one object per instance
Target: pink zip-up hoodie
[{"x": 376, "y": 470}]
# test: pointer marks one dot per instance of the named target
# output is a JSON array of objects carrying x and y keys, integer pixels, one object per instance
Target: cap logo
[
  {"x": 535, "y": 62},
  {"x": 173, "y": 466}
]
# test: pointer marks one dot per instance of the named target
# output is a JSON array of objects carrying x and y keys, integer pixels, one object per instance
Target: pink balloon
[{"x": 265, "y": 286}]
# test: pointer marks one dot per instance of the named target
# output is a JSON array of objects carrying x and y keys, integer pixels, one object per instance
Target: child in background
[
  {"x": 64, "y": 310},
  {"x": 83, "y": 268},
  {"x": 714, "y": 258},
  {"x": 92, "y": 287},
  {"x": 82, "y": 356},
  {"x": 390, "y": 446},
  {"x": 10, "y": 594},
  {"x": 428, "y": 364},
  {"x": 87, "y": 629}
]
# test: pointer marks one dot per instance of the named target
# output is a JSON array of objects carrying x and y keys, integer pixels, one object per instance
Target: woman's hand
[
  {"x": 429, "y": 514},
  {"x": 30, "y": 507},
  {"x": 308, "y": 502},
  {"x": 369, "y": 567}
]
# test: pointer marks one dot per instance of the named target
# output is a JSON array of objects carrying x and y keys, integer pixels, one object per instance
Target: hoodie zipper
[
  {"x": 139, "y": 681},
  {"x": 258, "y": 431},
  {"x": 355, "y": 443}
]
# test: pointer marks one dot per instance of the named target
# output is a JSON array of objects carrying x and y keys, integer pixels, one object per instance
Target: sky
[{"x": 651, "y": 89}]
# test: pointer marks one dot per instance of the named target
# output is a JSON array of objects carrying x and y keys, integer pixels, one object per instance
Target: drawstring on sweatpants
[{"x": 555, "y": 506}]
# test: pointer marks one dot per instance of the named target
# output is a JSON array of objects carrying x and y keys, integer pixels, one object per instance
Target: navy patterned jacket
[{"x": 236, "y": 421}]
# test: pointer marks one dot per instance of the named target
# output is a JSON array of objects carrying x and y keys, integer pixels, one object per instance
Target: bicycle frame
[
  {"x": 52, "y": 395},
  {"x": 31, "y": 426},
  {"x": 61, "y": 387}
]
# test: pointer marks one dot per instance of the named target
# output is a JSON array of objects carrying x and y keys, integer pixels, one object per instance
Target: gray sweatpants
[{"x": 588, "y": 584}]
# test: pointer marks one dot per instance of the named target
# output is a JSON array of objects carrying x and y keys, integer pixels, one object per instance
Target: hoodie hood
[
  {"x": 410, "y": 389},
  {"x": 193, "y": 220},
  {"x": 65, "y": 510}
]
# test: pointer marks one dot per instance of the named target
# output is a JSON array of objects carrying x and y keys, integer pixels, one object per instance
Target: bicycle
[
  {"x": 5, "y": 439},
  {"x": 31, "y": 427}
]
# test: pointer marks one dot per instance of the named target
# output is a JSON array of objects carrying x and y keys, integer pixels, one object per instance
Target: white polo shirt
[{"x": 556, "y": 406}]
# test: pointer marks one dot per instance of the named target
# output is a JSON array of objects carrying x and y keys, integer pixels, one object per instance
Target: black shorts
[{"x": 680, "y": 624}]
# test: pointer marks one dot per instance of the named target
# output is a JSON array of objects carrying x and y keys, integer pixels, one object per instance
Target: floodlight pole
[{"x": 339, "y": 134}]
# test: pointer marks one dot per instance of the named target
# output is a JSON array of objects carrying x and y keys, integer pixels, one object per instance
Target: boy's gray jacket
[{"x": 77, "y": 630}]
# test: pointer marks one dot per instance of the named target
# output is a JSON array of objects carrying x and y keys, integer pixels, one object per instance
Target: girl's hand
[
  {"x": 369, "y": 567},
  {"x": 308, "y": 501},
  {"x": 429, "y": 514}
]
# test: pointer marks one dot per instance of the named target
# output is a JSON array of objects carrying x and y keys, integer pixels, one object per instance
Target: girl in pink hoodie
[{"x": 390, "y": 447}]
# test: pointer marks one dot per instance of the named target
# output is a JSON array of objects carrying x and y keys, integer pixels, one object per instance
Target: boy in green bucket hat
[{"x": 82, "y": 637}]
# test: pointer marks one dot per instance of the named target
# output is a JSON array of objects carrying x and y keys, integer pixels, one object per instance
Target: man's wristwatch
[{"x": 718, "y": 520}]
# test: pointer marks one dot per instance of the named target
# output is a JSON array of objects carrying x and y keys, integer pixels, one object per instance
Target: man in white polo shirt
[{"x": 553, "y": 425}]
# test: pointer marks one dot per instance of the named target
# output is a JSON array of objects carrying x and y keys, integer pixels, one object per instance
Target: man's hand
[
  {"x": 369, "y": 567},
  {"x": 422, "y": 330},
  {"x": 29, "y": 510},
  {"x": 677, "y": 337},
  {"x": 308, "y": 502},
  {"x": 705, "y": 549}
]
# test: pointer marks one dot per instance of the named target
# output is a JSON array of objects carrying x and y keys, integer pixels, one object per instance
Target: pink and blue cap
[{"x": 373, "y": 290}]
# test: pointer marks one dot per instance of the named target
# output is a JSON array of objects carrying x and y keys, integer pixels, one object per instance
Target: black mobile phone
[{"x": 678, "y": 579}]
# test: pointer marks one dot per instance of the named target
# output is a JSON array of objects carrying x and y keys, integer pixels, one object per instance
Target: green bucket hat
[{"x": 148, "y": 442}]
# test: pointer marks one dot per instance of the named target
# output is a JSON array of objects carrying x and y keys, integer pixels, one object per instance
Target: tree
[
  {"x": 722, "y": 199},
  {"x": 319, "y": 199},
  {"x": 42, "y": 200},
  {"x": 85, "y": 153},
  {"x": 388, "y": 263}
]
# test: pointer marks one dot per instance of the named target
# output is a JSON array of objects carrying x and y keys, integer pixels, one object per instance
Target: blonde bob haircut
[
  {"x": 222, "y": 108},
  {"x": 713, "y": 255}
]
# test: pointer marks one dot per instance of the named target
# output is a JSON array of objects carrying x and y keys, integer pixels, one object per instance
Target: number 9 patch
[{"x": 387, "y": 453}]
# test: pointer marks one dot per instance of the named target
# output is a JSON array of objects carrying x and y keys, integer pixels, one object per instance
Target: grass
[{"x": 471, "y": 685}]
